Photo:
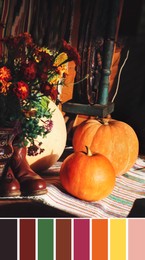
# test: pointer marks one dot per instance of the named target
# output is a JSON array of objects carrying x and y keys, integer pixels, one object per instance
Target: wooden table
[
  {"x": 29, "y": 208},
  {"x": 57, "y": 203}
]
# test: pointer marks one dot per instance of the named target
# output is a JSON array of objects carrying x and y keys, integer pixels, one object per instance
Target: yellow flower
[
  {"x": 4, "y": 86},
  {"x": 53, "y": 80},
  {"x": 62, "y": 69},
  {"x": 60, "y": 59},
  {"x": 44, "y": 49}
]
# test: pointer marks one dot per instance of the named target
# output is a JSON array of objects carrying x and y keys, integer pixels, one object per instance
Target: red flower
[
  {"x": 44, "y": 64},
  {"x": 43, "y": 76},
  {"x": 46, "y": 59},
  {"x": 30, "y": 70},
  {"x": 21, "y": 89},
  {"x": 49, "y": 90},
  {"x": 20, "y": 40},
  {"x": 27, "y": 37},
  {"x": 71, "y": 52}
]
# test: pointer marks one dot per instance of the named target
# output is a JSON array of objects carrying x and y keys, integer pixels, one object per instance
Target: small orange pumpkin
[
  {"x": 114, "y": 139},
  {"x": 87, "y": 176}
]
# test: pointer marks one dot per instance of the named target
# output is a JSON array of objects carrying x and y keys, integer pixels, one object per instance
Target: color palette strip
[{"x": 72, "y": 239}]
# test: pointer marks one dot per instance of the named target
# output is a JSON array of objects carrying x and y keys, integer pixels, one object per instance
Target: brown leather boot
[
  {"x": 30, "y": 182},
  {"x": 9, "y": 185}
]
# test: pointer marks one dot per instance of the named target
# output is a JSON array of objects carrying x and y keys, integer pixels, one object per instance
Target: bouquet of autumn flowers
[{"x": 30, "y": 76}]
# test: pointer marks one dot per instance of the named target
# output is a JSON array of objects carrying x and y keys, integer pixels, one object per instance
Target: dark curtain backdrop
[{"x": 82, "y": 23}]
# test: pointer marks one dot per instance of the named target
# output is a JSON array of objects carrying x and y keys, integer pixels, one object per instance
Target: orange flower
[
  {"x": 5, "y": 74},
  {"x": 21, "y": 89}
]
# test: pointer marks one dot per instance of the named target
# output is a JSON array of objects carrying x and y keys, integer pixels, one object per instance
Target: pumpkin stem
[
  {"x": 104, "y": 121},
  {"x": 89, "y": 153}
]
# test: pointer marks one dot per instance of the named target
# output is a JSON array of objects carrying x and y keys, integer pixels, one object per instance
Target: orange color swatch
[{"x": 99, "y": 239}]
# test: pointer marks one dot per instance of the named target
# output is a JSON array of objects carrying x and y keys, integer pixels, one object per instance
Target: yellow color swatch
[{"x": 117, "y": 239}]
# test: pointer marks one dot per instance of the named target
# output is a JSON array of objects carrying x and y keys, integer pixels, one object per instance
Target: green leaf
[{"x": 45, "y": 102}]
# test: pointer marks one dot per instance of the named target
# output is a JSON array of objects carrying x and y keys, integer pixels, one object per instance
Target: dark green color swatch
[{"x": 45, "y": 239}]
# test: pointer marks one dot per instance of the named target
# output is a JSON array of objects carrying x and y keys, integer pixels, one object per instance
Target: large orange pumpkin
[
  {"x": 86, "y": 176},
  {"x": 54, "y": 143},
  {"x": 114, "y": 139}
]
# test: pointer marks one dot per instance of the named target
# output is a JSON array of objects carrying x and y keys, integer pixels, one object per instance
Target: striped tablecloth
[{"x": 118, "y": 204}]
